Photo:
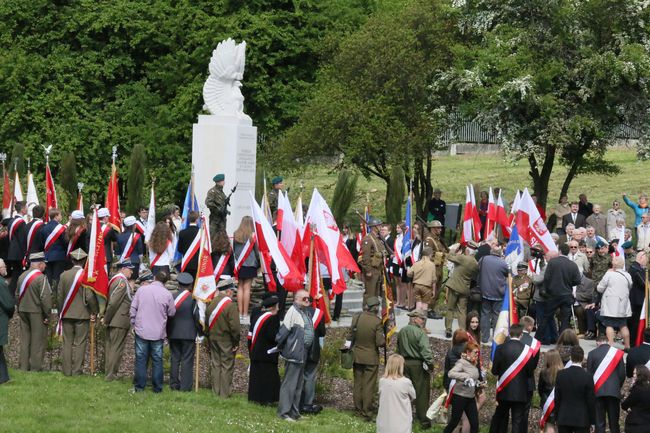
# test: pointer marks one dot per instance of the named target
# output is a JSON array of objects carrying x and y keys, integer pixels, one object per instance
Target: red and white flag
[
  {"x": 270, "y": 249},
  {"x": 113, "y": 200},
  {"x": 151, "y": 218},
  {"x": 205, "y": 285},
  {"x": 80, "y": 201},
  {"x": 502, "y": 217},
  {"x": 6, "y": 194},
  {"x": 290, "y": 232},
  {"x": 18, "y": 191},
  {"x": 491, "y": 217},
  {"x": 530, "y": 225},
  {"x": 468, "y": 222},
  {"x": 328, "y": 242},
  {"x": 298, "y": 215},
  {"x": 50, "y": 192},
  {"x": 95, "y": 276},
  {"x": 32, "y": 196},
  {"x": 643, "y": 321}
]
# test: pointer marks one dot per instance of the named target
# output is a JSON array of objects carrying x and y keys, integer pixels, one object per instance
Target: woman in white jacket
[{"x": 615, "y": 302}]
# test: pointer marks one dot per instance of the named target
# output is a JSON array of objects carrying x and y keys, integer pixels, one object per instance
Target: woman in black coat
[
  {"x": 637, "y": 403},
  {"x": 264, "y": 378},
  {"x": 7, "y": 304}
]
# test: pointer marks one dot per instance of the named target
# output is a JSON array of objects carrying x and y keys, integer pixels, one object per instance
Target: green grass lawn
[
  {"x": 452, "y": 173},
  {"x": 51, "y": 402}
]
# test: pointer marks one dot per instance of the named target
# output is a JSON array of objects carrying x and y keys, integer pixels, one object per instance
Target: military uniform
[
  {"x": 118, "y": 323},
  {"x": 522, "y": 287},
  {"x": 424, "y": 275},
  {"x": 599, "y": 266},
  {"x": 76, "y": 321},
  {"x": 224, "y": 340},
  {"x": 216, "y": 203},
  {"x": 413, "y": 345},
  {"x": 273, "y": 200},
  {"x": 458, "y": 284},
  {"x": 372, "y": 262},
  {"x": 33, "y": 308},
  {"x": 367, "y": 336}
]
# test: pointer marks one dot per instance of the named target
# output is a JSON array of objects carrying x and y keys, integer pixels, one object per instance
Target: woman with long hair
[
  {"x": 637, "y": 403},
  {"x": 473, "y": 329},
  {"x": 458, "y": 343},
  {"x": 463, "y": 400},
  {"x": 161, "y": 247},
  {"x": 552, "y": 364},
  {"x": 565, "y": 342},
  {"x": 395, "y": 395},
  {"x": 246, "y": 262}
]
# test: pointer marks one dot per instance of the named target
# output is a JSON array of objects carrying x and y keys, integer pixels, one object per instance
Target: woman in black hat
[{"x": 264, "y": 378}]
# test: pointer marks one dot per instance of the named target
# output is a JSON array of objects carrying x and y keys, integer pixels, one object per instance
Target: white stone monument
[{"x": 225, "y": 141}]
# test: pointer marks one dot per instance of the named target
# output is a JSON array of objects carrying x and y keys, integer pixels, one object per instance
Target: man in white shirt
[{"x": 643, "y": 232}]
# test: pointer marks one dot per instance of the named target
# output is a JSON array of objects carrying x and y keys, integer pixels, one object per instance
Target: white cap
[
  {"x": 77, "y": 215},
  {"x": 103, "y": 213},
  {"x": 129, "y": 221}
]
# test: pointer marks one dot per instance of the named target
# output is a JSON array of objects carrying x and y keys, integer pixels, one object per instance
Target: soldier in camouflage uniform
[
  {"x": 433, "y": 240},
  {"x": 372, "y": 261},
  {"x": 216, "y": 201},
  {"x": 277, "y": 185},
  {"x": 600, "y": 262}
]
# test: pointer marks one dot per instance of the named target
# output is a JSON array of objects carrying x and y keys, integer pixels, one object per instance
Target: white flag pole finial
[{"x": 114, "y": 154}]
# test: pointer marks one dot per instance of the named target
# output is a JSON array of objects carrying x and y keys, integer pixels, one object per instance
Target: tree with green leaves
[
  {"x": 136, "y": 179},
  {"x": 68, "y": 178},
  {"x": 17, "y": 161},
  {"x": 344, "y": 194},
  {"x": 371, "y": 103},
  {"x": 395, "y": 195},
  {"x": 554, "y": 79}
]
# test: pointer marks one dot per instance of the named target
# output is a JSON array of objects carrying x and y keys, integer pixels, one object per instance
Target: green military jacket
[
  {"x": 119, "y": 304},
  {"x": 226, "y": 328},
  {"x": 465, "y": 270},
  {"x": 522, "y": 286},
  {"x": 373, "y": 251},
  {"x": 37, "y": 297},
  {"x": 83, "y": 304},
  {"x": 273, "y": 199},
  {"x": 599, "y": 265},
  {"x": 367, "y": 338},
  {"x": 413, "y": 343},
  {"x": 439, "y": 248},
  {"x": 216, "y": 202}
]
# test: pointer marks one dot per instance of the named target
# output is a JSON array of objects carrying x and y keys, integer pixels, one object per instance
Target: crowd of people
[{"x": 595, "y": 281}]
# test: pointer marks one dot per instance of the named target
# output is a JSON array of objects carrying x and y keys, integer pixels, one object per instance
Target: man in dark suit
[
  {"x": 54, "y": 246},
  {"x": 182, "y": 330},
  {"x": 185, "y": 238},
  {"x": 559, "y": 278},
  {"x": 639, "y": 355},
  {"x": 575, "y": 401},
  {"x": 529, "y": 324},
  {"x": 512, "y": 397},
  {"x": 34, "y": 231},
  {"x": 608, "y": 395},
  {"x": 110, "y": 234},
  {"x": 17, "y": 244},
  {"x": 130, "y": 245},
  {"x": 573, "y": 217},
  {"x": 637, "y": 293}
]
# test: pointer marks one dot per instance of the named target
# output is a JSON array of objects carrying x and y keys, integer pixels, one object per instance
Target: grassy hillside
[
  {"x": 452, "y": 173},
  {"x": 51, "y": 402}
]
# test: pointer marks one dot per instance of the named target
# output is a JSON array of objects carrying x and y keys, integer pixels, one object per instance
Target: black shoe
[
  {"x": 590, "y": 336},
  {"x": 447, "y": 334},
  {"x": 433, "y": 315}
]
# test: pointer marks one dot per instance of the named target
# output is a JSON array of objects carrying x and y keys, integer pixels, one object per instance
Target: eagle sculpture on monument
[{"x": 221, "y": 91}]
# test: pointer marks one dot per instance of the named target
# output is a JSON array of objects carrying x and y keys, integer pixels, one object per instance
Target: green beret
[
  {"x": 219, "y": 177},
  {"x": 276, "y": 180},
  {"x": 626, "y": 245}
]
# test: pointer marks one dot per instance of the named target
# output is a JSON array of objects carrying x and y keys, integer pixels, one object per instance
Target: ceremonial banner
[
  {"x": 95, "y": 276},
  {"x": 50, "y": 192}
]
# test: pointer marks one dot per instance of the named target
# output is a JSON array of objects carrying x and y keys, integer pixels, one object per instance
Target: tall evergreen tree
[
  {"x": 395, "y": 195},
  {"x": 68, "y": 178},
  {"x": 135, "y": 182},
  {"x": 344, "y": 193}
]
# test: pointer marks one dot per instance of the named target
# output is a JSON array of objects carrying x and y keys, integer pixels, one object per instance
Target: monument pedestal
[{"x": 228, "y": 145}]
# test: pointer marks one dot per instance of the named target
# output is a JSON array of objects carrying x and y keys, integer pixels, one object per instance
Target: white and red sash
[
  {"x": 75, "y": 238},
  {"x": 221, "y": 265},
  {"x": 258, "y": 326},
  {"x": 515, "y": 368},
  {"x": 317, "y": 317},
  {"x": 76, "y": 283},
  {"x": 191, "y": 251},
  {"x": 32, "y": 231},
  {"x": 14, "y": 226},
  {"x": 535, "y": 345},
  {"x": 106, "y": 229},
  {"x": 358, "y": 243},
  {"x": 130, "y": 246},
  {"x": 397, "y": 250},
  {"x": 217, "y": 311},
  {"x": 606, "y": 367},
  {"x": 29, "y": 279},
  {"x": 450, "y": 392},
  {"x": 547, "y": 410},
  {"x": 54, "y": 236},
  {"x": 246, "y": 251},
  {"x": 159, "y": 255},
  {"x": 118, "y": 276},
  {"x": 181, "y": 297}
]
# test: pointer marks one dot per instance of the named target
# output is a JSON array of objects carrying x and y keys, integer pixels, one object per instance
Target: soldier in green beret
[{"x": 216, "y": 201}]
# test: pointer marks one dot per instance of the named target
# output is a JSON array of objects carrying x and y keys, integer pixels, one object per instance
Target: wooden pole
[
  {"x": 311, "y": 259},
  {"x": 197, "y": 354},
  {"x": 92, "y": 347}
]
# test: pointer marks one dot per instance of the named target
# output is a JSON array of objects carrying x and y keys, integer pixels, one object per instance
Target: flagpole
[
  {"x": 92, "y": 347},
  {"x": 197, "y": 355},
  {"x": 311, "y": 257}
]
